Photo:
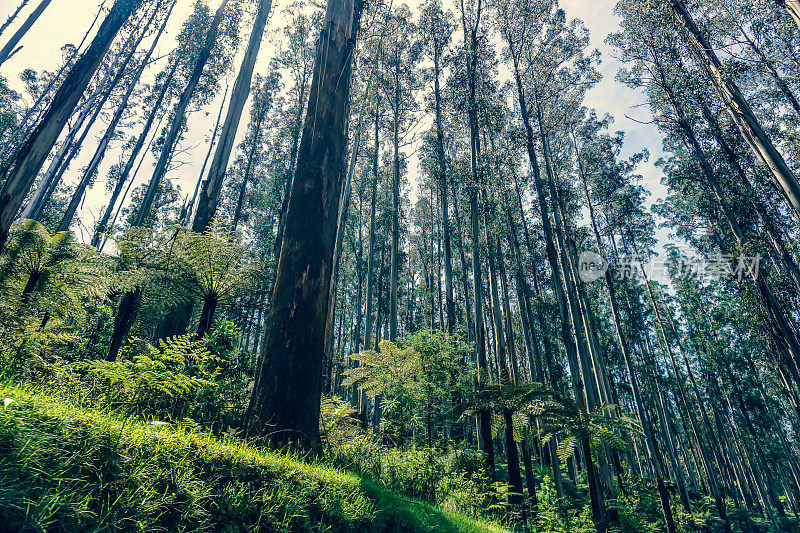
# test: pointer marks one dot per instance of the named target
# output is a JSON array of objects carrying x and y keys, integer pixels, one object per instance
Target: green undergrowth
[{"x": 65, "y": 468}]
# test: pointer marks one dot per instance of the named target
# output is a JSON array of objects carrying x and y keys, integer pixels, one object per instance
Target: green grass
[{"x": 64, "y": 468}]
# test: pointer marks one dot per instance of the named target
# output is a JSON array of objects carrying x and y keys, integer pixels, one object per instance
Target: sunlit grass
[{"x": 66, "y": 468}]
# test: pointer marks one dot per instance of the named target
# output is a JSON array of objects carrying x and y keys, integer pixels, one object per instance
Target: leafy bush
[
  {"x": 166, "y": 382},
  {"x": 182, "y": 379}
]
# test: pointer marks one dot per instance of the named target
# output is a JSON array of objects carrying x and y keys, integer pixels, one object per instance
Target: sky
[{"x": 66, "y": 21}]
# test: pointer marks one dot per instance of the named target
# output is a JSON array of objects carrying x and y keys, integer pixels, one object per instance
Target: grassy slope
[{"x": 63, "y": 468}]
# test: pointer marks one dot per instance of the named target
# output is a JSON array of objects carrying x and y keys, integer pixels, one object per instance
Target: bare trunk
[
  {"x": 395, "y": 254},
  {"x": 12, "y": 17},
  {"x": 248, "y": 171},
  {"x": 209, "y": 195},
  {"x": 102, "y": 227},
  {"x": 91, "y": 169},
  {"x": 739, "y": 110},
  {"x": 286, "y": 398},
  {"x": 189, "y": 207},
  {"x": 448, "y": 260},
  {"x": 180, "y": 117},
  {"x": 31, "y": 157},
  {"x": 11, "y": 46}
]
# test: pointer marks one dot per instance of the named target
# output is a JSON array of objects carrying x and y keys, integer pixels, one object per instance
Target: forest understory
[{"x": 365, "y": 266}]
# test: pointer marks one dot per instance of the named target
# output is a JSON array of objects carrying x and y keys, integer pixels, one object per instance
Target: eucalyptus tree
[
  {"x": 285, "y": 403},
  {"x": 92, "y": 167},
  {"x": 738, "y": 107},
  {"x": 20, "y": 174},
  {"x": 178, "y": 121},
  {"x": 437, "y": 26},
  {"x": 10, "y": 47},
  {"x": 209, "y": 195},
  {"x": 298, "y": 58}
]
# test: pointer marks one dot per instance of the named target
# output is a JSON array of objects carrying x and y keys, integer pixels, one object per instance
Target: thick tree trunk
[
  {"x": 123, "y": 322},
  {"x": 290, "y": 172},
  {"x": 210, "y": 303},
  {"x": 209, "y": 195},
  {"x": 11, "y": 145},
  {"x": 11, "y": 46},
  {"x": 31, "y": 157},
  {"x": 739, "y": 110},
  {"x": 180, "y": 117},
  {"x": 285, "y": 404}
]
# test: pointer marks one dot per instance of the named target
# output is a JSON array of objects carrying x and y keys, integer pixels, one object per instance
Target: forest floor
[{"x": 67, "y": 468}]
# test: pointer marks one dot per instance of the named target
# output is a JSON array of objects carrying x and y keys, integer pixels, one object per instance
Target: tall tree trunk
[
  {"x": 448, "y": 259},
  {"x": 189, "y": 207},
  {"x": 102, "y": 227},
  {"x": 209, "y": 195},
  {"x": 13, "y": 16},
  {"x": 31, "y": 156},
  {"x": 654, "y": 453},
  {"x": 739, "y": 110},
  {"x": 11, "y": 46},
  {"x": 394, "y": 273},
  {"x": 484, "y": 418},
  {"x": 251, "y": 161},
  {"x": 91, "y": 169},
  {"x": 371, "y": 248},
  {"x": 70, "y": 146},
  {"x": 286, "y": 398},
  {"x": 180, "y": 117},
  {"x": 102, "y": 147}
]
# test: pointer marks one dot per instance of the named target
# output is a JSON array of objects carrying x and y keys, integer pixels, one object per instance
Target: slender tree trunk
[
  {"x": 395, "y": 254},
  {"x": 248, "y": 171},
  {"x": 371, "y": 249},
  {"x": 13, "y": 16},
  {"x": 91, "y": 169},
  {"x": 739, "y": 110},
  {"x": 11, "y": 46},
  {"x": 31, "y": 157},
  {"x": 448, "y": 260},
  {"x": 180, "y": 117},
  {"x": 286, "y": 398},
  {"x": 102, "y": 227},
  {"x": 209, "y": 195},
  {"x": 189, "y": 208},
  {"x": 70, "y": 147}
]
